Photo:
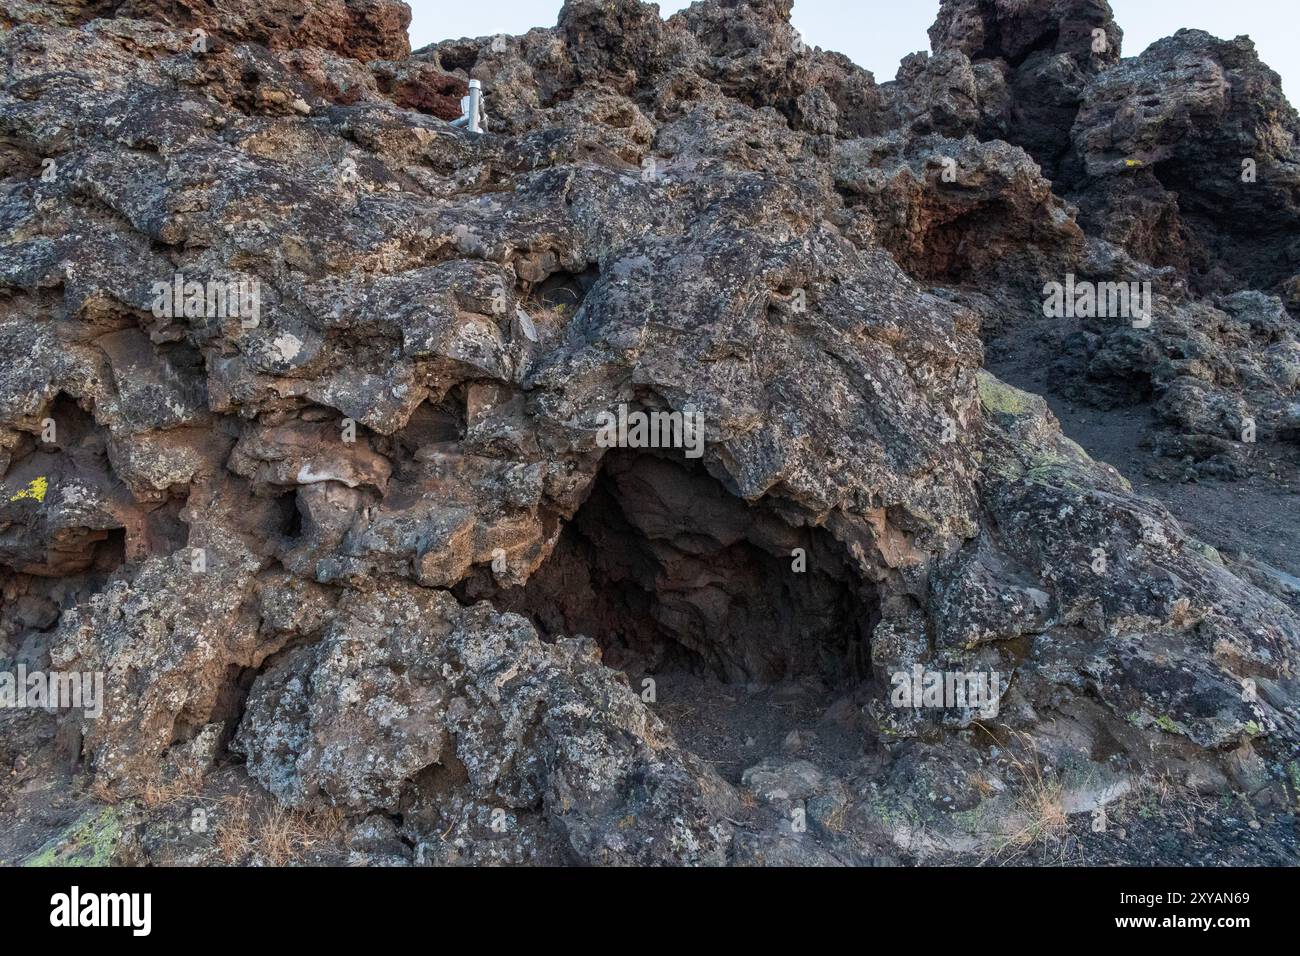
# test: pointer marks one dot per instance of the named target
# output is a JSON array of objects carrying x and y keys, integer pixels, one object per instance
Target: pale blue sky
[{"x": 878, "y": 33}]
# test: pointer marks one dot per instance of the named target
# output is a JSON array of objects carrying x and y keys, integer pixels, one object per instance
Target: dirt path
[{"x": 1258, "y": 517}]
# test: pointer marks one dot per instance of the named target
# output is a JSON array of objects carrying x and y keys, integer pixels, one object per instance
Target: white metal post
[{"x": 475, "y": 96}]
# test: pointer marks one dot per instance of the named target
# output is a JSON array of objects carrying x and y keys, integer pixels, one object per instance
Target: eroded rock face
[
  {"x": 1200, "y": 127},
  {"x": 949, "y": 210},
  {"x": 339, "y": 518},
  {"x": 1183, "y": 164},
  {"x": 407, "y": 691},
  {"x": 1049, "y": 52},
  {"x": 360, "y": 29}
]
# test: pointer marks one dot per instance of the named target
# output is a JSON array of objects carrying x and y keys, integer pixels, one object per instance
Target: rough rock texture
[
  {"x": 1048, "y": 54},
  {"x": 1184, "y": 165},
  {"x": 356, "y": 552},
  {"x": 1175, "y": 126},
  {"x": 953, "y": 209}
]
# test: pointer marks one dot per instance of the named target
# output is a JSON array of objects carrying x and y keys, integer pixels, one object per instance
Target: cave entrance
[
  {"x": 752, "y": 649},
  {"x": 681, "y": 581},
  {"x": 666, "y": 570}
]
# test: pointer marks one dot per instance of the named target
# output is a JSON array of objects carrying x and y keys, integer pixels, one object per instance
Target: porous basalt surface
[{"x": 363, "y": 565}]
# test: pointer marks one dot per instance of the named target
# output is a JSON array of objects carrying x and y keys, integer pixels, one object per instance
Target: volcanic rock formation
[{"x": 300, "y": 415}]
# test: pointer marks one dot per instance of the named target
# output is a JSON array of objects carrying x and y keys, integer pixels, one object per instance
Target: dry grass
[
  {"x": 234, "y": 830},
  {"x": 837, "y": 818},
  {"x": 244, "y": 829},
  {"x": 1039, "y": 809},
  {"x": 101, "y": 791},
  {"x": 1042, "y": 805},
  {"x": 161, "y": 793},
  {"x": 275, "y": 835},
  {"x": 1164, "y": 797},
  {"x": 982, "y": 784},
  {"x": 1042, "y": 821}
]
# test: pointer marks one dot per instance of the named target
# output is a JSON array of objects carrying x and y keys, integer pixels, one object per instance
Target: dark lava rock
[{"x": 340, "y": 526}]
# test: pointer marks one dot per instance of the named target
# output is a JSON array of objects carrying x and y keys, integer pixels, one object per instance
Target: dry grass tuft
[
  {"x": 161, "y": 793},
  {"x": 234, "y": 832},
  {"x": 275, "y": 835},
  {"x": 1164, "y": 797},
  {"x": 1039, "y": 809}
]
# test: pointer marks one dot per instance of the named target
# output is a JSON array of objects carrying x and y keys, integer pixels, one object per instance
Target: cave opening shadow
[{"x": 669, "y": 573}]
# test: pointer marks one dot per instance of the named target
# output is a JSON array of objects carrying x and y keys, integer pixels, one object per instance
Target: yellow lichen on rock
[{"x": 35, "y": 490}]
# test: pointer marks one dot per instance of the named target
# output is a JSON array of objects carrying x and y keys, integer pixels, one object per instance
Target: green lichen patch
[
  {"x": 999, "y": 397},
  {"x": 90, "y": 841}
]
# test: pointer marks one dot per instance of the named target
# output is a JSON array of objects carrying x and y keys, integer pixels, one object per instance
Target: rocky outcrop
[
  {"x": 359, "y": 29},
  {"x": 1192, "y": 159},
  {"x": 305, "y": 424},
  {"x": 407, "y": 694},
  {"x": 952, "y": 210},
  {"x": 1048, "y": 53},
  {"x": 1180, "y": 165}
]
